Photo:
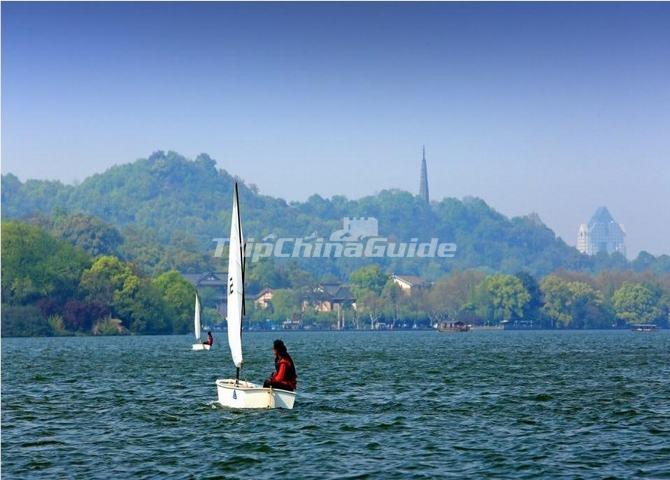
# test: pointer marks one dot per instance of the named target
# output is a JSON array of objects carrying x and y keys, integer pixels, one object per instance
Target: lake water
[{"x": 370, "y": 405}]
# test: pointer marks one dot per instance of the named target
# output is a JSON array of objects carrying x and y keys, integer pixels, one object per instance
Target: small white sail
[
  {"x": 235, "y": 283},
  {"x": 196, "y": 319}
]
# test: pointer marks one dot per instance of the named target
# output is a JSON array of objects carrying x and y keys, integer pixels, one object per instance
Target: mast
[{"x": 243, "y": 247}]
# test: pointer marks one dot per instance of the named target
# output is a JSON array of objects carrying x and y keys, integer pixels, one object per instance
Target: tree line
[
  {"x": 562, "y": 300},
  {"x": 74, "y": 274},
  {"x": 52, "y": 287}
]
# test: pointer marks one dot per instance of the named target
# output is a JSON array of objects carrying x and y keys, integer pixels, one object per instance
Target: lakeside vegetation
[
  {"x": 561, "y": 300},
  {"x": 51, "y": 287},
  {"x": 104, "y": 257},
  {"x": 73, "y": 279}
]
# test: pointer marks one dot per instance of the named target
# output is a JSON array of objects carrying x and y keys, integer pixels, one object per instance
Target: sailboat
[
  {"x": 233, "y": 392},
  {"x": 198, "y": 345}
]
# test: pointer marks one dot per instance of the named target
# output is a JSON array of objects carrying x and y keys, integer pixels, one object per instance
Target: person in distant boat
[
  {"x": 210, "y": 339},
  {"x": 284, "y": 376}
]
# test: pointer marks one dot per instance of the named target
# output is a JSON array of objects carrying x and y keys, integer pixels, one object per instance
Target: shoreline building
[
  {"x": 407, "y": 283},
  {"x": 601, "y": 234},
  {"x": 423, "y": 186}
]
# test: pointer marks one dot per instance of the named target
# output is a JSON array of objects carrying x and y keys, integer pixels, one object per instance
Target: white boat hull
[
  {"x": 241, "y": 394},
  {"x": 201, "y": 346}
]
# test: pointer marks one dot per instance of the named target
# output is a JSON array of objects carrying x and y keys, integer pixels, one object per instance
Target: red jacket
[{"x": 285, "y": 373}]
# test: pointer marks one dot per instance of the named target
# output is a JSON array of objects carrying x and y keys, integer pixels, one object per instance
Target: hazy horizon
[{"x": 548, "y": 108}]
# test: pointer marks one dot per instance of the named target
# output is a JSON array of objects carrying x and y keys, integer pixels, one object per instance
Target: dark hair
[{"x": 280, "y": 348}]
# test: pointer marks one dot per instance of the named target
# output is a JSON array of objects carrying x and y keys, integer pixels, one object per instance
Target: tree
[
  {"x": 80, "y": 316},
  {"x": 371, "y": 305},
  {"x": 179, "y": 298},
  {"x": 35, "y": 265},
  {"x": 367, "y": 284},
  {"x": 393, "y": 296},
  {"x": 106, "y": 276},
  {"x": 637, "y": 303},
  {"x": 532, "y": 310},
  {"x": 88, "y": 233},
  {"x": 368, "y": 279},
  {"x": 572, "y": 304},
  {"x": 502, "y": 298},
  {"x": 140, "y": 307},
  {"x": 265, "y": 273},
  {"x": 183, "y": 254},
  {"x": 142, "y": 247},
  {"x": 134, "y": 300},
  {"x": 557, "y": 301},
  {"x": 587, "y": 307},
  {"x": 24, "y": 321},
  {"x": 451, "y": 294},
  {"x": 299, "y": 279},
  {"x": 285, "y": 304}
]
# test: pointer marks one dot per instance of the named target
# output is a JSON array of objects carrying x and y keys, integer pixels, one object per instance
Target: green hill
[{"x": 169, "y": 202}]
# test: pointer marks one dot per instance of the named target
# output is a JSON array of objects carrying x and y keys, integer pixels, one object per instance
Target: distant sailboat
[
  {"x": 236, "y": 393},
  {"x": 198, "y": 345}
]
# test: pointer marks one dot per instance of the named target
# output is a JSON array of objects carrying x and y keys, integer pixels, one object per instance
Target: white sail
[
  {"x": 196, "y": 319},
  {"x": 235, "y": 284}
]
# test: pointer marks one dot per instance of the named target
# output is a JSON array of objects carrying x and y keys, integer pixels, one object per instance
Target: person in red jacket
[
  {"x": 284, "y": 376},
  {"x": 210, "y": 339}
]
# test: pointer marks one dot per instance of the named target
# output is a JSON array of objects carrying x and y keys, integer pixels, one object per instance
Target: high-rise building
[
  {"x": 423, "y": 187},
  {"x": 583, "y": 238},
  {"x": 601, "y": 234}
]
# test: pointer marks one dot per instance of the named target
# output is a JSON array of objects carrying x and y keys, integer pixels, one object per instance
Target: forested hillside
[{"x": 167, "y": 209}]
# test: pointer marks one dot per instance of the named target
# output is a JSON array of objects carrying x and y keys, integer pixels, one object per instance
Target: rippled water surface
[{"x": 370, "y": 405}]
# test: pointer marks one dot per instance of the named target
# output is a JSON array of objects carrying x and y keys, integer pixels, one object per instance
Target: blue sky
[{"x": 547, "y": 108}]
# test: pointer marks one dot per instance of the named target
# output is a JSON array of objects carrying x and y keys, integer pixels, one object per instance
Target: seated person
[{"x": 285, "y": 376}]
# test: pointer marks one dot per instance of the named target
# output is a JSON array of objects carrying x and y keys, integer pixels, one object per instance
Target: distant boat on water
[
  {"x": 198, "y": 345},
  {"x": 454, "y": 327},
  {"x": 643, "y": 327}
]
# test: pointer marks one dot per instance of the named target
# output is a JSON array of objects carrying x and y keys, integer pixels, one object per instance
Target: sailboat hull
[
  {"x": 201, "y": 346},
  {"x": 234, "y": 394}
]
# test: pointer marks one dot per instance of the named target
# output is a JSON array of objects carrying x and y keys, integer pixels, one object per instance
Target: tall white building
[
  {"x": 601, "y": 234},
  {"x": 583, "y": 238}
]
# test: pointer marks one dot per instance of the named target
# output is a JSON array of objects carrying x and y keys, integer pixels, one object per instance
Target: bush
[
  {"x": 57, "y": 325},
  {"x": 109, "y": 326}
]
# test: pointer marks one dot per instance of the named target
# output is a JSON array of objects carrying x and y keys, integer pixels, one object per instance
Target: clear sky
[{"x": 547, "y": 108}]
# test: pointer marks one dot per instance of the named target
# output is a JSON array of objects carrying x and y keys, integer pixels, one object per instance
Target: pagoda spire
[{"x": 423, "y": 187}]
